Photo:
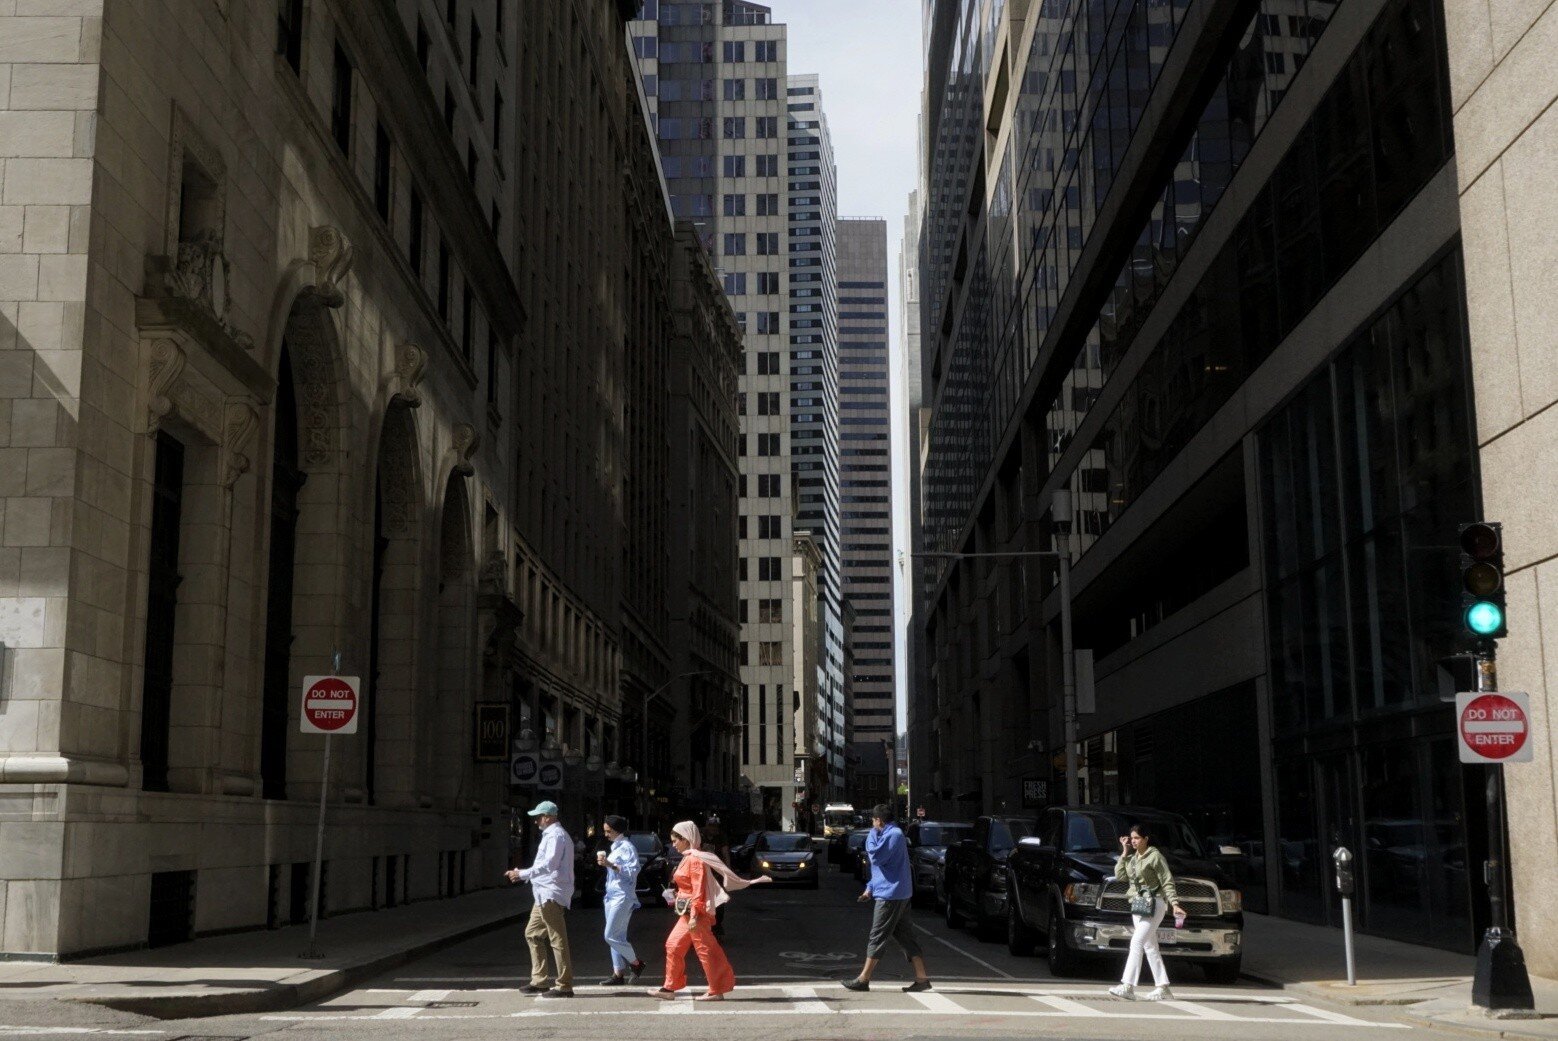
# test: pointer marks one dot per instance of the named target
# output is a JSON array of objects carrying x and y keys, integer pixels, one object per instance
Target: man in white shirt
[{"x": 551, "y": 881}]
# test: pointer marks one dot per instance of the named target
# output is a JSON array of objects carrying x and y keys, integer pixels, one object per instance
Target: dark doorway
[
  {"x": 161, "y": 604},
  {"x": 286, "y": 480}
]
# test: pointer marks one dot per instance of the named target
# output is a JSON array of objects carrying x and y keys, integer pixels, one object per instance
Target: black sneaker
[
  {"x": 637, "y": 969},
  {"x": 531, "y": 988},
  {"x": 559, "y": 992},
  {"x": 917, "y": 987},
  {"x": 857, "y": 984},
  {"x": 614, "y": 981}
]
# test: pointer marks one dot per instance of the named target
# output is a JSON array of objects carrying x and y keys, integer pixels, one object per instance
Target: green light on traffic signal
[{"x": 1484, "y": 618}]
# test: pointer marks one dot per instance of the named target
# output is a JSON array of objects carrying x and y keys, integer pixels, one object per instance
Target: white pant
[{"x": 1145, "y": 940}]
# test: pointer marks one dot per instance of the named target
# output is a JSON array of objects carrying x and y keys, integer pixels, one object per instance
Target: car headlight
[
  {"x": 1083, "y": 894},
  {"x": 1230, "y": 901},
  {"x": 766, "y": 864}
]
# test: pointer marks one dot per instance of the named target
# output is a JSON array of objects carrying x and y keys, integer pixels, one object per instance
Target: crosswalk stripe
[
  {"x": 1066, "y": 1005},
  {"x": 807, "y": 1002},
  {"x": 1330, "y": 1017},
  {"x": 1200, "y": 1011},
  {"x": 397, "y": 1013},
  {"x": 936, "y": 1002},
  {"x": 429, "y": 996}
]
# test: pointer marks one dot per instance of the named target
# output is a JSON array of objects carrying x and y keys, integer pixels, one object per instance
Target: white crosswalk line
[
  {"x": 1200, "y": 1011},
  {"x": 806, "y": 1001},
  {"x": 936, "y": 1002},
  {"x": 1066, "y": 1005},
  {"x": 1331, "y": 1017},
  {"x": 428, "y": 996},
  {"x": 397, "y": 1013}
]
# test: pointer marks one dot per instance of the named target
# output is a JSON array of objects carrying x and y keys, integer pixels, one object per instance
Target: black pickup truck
[
  {"x": 1061, "y": 888},
  {"x": 974, "y": 874}
]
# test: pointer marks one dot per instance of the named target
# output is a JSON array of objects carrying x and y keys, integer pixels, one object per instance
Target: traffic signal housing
[{"x": 1482, "y": 580}]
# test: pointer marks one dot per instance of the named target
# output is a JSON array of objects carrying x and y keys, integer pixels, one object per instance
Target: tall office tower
[
  {"x": 1205, "y": 281},
  {"x": 917, "y": 744},
  {"x": 814, "y": 401},
  {"x": 865, "y": 449},
  {"x": 717, "y": 74}
]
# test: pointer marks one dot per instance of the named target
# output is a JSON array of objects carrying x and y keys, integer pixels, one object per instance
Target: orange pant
[{"x": 716, "y": 967}]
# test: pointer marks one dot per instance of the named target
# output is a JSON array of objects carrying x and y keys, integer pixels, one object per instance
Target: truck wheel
[
  {"x": 1020, "y": 938},
  {"x": 954, "y": 920},
  {"x": 1224, "y": 970},
  {"x": 1063, "y": 961}
]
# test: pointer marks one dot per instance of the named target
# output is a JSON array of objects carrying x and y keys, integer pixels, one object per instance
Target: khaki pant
[{"x": 546, "y": 933}]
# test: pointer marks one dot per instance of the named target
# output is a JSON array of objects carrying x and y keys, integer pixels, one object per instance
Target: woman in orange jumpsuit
[{"x": 700, "y": 882}]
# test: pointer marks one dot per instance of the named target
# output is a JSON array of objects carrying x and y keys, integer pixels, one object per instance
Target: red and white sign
[
  {"x": 329, "y": 705},
  {"x": 1494, "y": 727}
]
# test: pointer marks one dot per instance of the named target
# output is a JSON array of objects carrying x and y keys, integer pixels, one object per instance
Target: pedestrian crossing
[{"x": 424, "y": 1002}]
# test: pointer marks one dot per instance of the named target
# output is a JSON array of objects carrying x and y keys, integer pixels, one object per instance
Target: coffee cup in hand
[{"x": 600, "y": 857}]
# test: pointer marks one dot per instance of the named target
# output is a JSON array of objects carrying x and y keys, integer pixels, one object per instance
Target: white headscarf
[{"x": 718, "y": 869}]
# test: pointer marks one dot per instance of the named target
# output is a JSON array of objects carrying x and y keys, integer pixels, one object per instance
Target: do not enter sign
[
  {"x": 1494, "y": 727},
  {"x": 329, "y": 705}
]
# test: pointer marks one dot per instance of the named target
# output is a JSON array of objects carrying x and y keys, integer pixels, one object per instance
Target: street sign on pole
[
  {"x": 1494, "y": 727},
  {"x": 329, "y": 705},
  {"x": 329, "y": 708}
]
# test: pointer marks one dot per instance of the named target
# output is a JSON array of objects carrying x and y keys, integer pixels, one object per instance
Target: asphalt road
[{"x": 790, "y": 949}]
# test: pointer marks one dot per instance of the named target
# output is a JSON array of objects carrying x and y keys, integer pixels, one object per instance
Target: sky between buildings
[{"x": 868, "y": 55}]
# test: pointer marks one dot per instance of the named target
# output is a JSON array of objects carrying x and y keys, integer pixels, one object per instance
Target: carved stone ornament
[
  {"x": 331, "y": 254},
  {"x": 200, "y": 274},
  {"x": 466, "y": 441},
  {"x": 167, "y": 364},
  {"x": 410, "y": 364},
  {"x": 240, "y": 422}
]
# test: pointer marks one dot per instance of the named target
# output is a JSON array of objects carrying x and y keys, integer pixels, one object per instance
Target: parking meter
[{"x": 1342, "y": 859}]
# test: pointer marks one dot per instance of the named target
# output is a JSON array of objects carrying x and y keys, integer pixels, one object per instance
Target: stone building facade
[
  {"x": 316, "y": 342},
  {"x": 1502, "y": 85},
  {"x": 705, "y": 364}
]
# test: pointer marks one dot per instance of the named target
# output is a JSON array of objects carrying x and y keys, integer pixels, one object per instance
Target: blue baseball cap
[{"x": 547, "y": 808}]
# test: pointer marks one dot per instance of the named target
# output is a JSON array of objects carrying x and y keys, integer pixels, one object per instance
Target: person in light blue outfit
[{"x": 621, "y": 866}]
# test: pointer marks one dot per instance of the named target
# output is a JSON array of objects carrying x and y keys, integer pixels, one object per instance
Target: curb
[{"x": 290, "y": 995}]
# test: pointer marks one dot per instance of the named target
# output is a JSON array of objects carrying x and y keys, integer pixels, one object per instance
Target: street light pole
[{"x": 1067, "y": 654}]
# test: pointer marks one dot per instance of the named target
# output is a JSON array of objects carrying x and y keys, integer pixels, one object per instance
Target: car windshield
[
  {"x": 1006, "y": 834},
  {"x": 857, "y": 838},
  {"x": 645, "y": 842},
  {"x": 784, "y": 842},
  {"x": 1096, "y": 831},
  {"x": 944, "y": 834}
]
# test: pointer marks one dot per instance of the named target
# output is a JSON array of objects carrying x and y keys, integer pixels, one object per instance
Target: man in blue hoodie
[{"x": 892, "y": 887}]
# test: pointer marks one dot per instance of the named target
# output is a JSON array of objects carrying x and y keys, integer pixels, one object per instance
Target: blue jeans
[{"x": 619, "y": 911}]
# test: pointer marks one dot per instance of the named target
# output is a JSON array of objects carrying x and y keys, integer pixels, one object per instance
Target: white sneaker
[
  {"x": 1160, "y": 994},
  {"x": 1125, "y": 991}
]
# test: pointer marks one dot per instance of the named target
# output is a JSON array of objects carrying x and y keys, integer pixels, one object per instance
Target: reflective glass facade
[{"x": 1262, "y": 469}]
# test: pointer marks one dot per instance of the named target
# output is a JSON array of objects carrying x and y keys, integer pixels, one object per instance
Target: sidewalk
[
  {"x": 1432, "y": 986},
  {"x": 261, "y": 971}
]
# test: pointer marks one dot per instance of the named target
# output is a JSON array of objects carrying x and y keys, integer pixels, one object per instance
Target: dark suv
[
  {"x": 1061, "y": 887},
  {"x": 975, "y": 873},
  {"x": 928, "y": 842}
]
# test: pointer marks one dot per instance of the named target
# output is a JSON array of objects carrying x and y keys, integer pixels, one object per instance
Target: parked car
[
  {"x": 1061, "y": 887},
  {"x": 786, "y": 856},
  {"x": 853, "y": 848},
  {"x": 928, "y": 842},
  {"x": 974, "y": 873}
]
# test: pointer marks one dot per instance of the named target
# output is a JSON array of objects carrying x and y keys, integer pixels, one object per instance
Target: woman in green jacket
[{"x": 1142, "y": 866}]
